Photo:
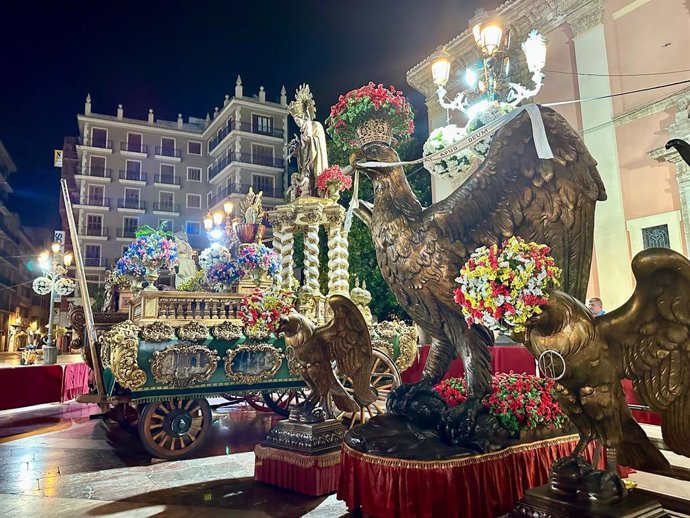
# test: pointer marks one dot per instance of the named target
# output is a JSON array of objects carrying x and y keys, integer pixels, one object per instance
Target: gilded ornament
[
  {"x": 384, "y": 347},
  {"x": 193, "y": 332},
  {"x": 184, "y": 364},
  {"x": 294, "y": 366},
  {"x": 407, "y": 344},
  {"x": 119, "y": 352},
  {"x": 226, "y": 331},
  {"x": 158, "y": 332},
  {"x": 252, "y": 363}
]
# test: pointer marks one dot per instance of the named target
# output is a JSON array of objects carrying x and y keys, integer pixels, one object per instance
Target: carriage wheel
[
  {"x": 175, "y": 428},
  {"x": 257, "y": 403},
  {"x": 281, "y": 400},
  {"x": 125, "y": 415},
  {"x": 384, "y": 378}
]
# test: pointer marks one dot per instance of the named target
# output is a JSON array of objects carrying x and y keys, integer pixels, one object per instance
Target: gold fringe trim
[
  {"x": 455, "y": 463},
  {"x": 326, "y": 460}
]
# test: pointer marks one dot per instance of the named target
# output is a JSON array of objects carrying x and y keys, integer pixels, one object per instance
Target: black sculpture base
[
  {"x": 306, "y": 438},
  {"x": 543, "y": 502}
]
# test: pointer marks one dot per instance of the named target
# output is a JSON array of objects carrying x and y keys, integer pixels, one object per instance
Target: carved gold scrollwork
[
  {"x": 226, "y": 331},
  {"x": 408, "y": 347},
  {"x": 184, "y": 364},
  {"x": 294, "y": 365},
  {"x": 119, "y": 351},
  {"x": 249, "y": 373},
  {"x": 158, "y": 332},
  {"x": 386, "y": 329},
  {"x": 193, "y": 332},
  {"x": 384, "y": 347}
]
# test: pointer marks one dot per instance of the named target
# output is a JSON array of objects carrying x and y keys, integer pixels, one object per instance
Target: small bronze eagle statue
[
  {"x": 345, "y": 340},
  {"x": 420, "y": 250},
  {"x": 647, "y": 340}
]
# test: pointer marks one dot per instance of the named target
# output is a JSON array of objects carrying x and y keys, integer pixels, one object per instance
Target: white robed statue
[{"x": 186, "y": 268}]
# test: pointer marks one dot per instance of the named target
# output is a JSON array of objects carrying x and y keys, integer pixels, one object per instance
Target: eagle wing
[
  {"x": 652, "y": 332},
  {"x": 349, "y": 344},
  {"x": 514, "y": 192}
]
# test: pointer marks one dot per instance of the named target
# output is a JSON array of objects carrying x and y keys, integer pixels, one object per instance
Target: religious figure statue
[
  {"x": 186, "y": 268},
  {"x": 251, "y": 207},
  {"x": 310, "y": 146}
]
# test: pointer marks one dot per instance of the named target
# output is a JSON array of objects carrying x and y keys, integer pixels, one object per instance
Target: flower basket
[
  {"x": 332, "y": 182},
  {"x": 250, "y": 232},
  {"x": 261, "y": 311},
  {"x": 151, "y": 250},
  {"x": 257, "y": 260},
  {"x": 368, "y": 114}
]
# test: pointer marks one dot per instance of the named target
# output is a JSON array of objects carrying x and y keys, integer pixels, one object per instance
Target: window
[
  {"x": 167, "y": 146},
  {"x": 263, "y": 183},
  {"x": 166, "y": 224},
  {"x": 99, "y": 137},
  {"x": 656, "y": 237},
  {"x": 193, "y": 148},
  {"x": 209, "y": 195},
  {"x": 92, "y": 255},
  {"x": 194, "y": 174},
  {"x": 129, "y": 226},
  {"x": 262, "y": 124},
  {"x": 263, "y": 155},
  {"x": 167, "y": 174},
  {"x": 97, "y": 166},
  {"x": 131, "y": 198},
  {"x": 193, "y": 201},
  {"x": 95, "y": 196},
  {"x": 94, "y": 225},
  {"x": 135, "y": 142},
  {"x": 193, "y": 228},
  {"x": 133, "y": 171}
]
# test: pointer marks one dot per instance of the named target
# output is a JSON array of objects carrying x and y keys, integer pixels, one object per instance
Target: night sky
[{"x": 184, "y": 56}]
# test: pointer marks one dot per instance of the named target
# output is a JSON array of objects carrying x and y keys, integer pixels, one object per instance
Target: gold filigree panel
[
  {"x": 184, "y": 364},
  {"x": 193, "y": 332},
  {"x": 119, "y": 351},
  {"x": 158, "y": 332},
  {"x": 252, "y": 363},
  {"x": 226, "y": 331}
]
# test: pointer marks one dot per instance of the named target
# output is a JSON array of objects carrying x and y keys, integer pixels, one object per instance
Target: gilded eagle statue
[
  {"x": 646, "y": 340},
  {"x": 420, "y": 250},
  {"x": 344, "y": 340}
]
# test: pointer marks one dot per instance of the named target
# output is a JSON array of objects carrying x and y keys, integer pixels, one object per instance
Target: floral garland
[
  {"x": 502, "y": 288},
  {"x": 212, "y": 255},
  {"x": 333, "y": 180},
  {"x": 459, "y": 163},
  {"x": 519, "y": 401},
  {"x": 222, "y": 275},
  {"x": 42, "y": 285},
  {"x": 260, "y": 311},
  {"x": 64, "y": 286},
  {"x": 369, "y": 102},
  {"x": 257, "y": 260}
]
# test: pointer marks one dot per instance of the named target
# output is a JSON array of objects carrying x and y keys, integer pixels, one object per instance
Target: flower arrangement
[
  {"x": 212, "y": 255},
  {"x": 260, "y": 311},
  {"x": 64, "y": 286},
  {"x": 126, "y": 271},
  {"x": 332, "y": 181},
  {"x": 197, "y": 282},
  {"x": 42, "y": 285},
  {"x": 257, "y": 259},
  {"x": 369, "y": 102},
  {"x": 222, "y": 275},
  {"x": 459, "y": 163},
  {"x": 152, "y": 249},
  {"x": 520, "y": 402},
  {"x": 502, "y": 288}
]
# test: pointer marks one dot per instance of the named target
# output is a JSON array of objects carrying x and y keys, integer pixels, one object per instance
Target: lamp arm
[
  {"x": 522, "y": 93},
  {"x": 458, "y": 103}
]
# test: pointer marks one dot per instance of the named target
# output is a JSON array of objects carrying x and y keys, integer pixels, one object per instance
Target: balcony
[
  {"x": 129, "y": 204},
  {"x": 126, "y": 233},
  {"x": 215, "y": 141},
  {"x": 96, "y": 262},
  {"x": 94, "y": 231},
  {"x": 219, "y": 166},
  {"x": 167, "y": 208},
  {"x": 167, "y": 180},
  {"x": 91, "y": 202},
  {"x": 244, "y": 189},
  {"x": 169, "y": 153},
  {"x": 99, "y": 144},
  {"x": 95, "y": 173},
  {"x": 241, "y": 126},
  {"x": 134, "y": 149},
  {"x": 133, "y": 176},
  {"x": 246, "y": 158}
]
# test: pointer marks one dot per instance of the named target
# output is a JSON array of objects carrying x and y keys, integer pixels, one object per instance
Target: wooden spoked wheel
[
  {"x": 384, "y": 378},
  {"x": 257, "y": 403},
  {"x": 280, "y": 400},
  {"x": 175, "y": 428}
]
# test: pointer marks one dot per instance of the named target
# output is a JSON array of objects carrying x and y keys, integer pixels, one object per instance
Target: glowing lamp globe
[
  {"x": 227, "y": 207},
  {"x": 68, "y": 259},
  {"x": 55, "y": 247},
  {"x": 471, "y": 78},
  {"x": 208, "y": 223},
  {"x": 218, "y": 217},
  {"x": 440, "y": 67},
  {"x": 487, "y": 35}
]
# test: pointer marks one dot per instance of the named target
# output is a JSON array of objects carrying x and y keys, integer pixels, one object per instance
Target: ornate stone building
[{"x": 597, "y": 48}]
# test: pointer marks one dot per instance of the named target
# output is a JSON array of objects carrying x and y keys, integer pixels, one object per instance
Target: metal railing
[
  {"x": 244, "y": 189},
  {"x": 128, "y": 203},
  {"x": 168, "y": 151},
  {"x": 246, "y": 158},
  {"x": 219, "y": 166},
  {"x": 126, "y": 232},
  {"x": 167, "y": 179},
  {"x": 166, "y": 207},
  {"x": 93, "y": 201},
  {"x": 134, "y": 148},
  {"x": 98, "y": 142},
  {"x": 94, "y": 231},
  {"x": 97, "y": 262},
  {"x": 241, "y": 126},
  {"x": 223, "y": 132},
  {"x": 134, "y": 176},
  {"x": 98, "y": 172}
]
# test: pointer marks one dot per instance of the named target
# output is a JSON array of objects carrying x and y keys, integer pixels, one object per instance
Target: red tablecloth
[
  {"x": 641, "y": 416},
  {"x": 75, "y": 380},
  {"x": 30, "y": 385},
  {"x": 505, "y": 358}
]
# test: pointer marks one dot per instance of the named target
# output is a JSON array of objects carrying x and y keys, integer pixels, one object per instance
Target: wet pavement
[{"x": 55, "y": 460}]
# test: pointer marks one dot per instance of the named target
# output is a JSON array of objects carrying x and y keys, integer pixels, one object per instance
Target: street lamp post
[
  {"x": 220, "y": 227},
  {"x": 53, "y": 281}
]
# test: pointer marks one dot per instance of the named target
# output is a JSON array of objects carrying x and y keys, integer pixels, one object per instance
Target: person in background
[{"x": 596, "y": 306}]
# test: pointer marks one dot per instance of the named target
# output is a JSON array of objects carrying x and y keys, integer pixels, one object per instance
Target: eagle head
[{"x": 374, "y": 152}]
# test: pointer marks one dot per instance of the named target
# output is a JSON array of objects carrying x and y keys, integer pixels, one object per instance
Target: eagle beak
[{"x": 283, "y": 325}]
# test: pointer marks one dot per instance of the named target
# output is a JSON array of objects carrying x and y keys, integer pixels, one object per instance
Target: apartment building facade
[
  {"x": 22, "y": 312},
  {"x": 595, "y": 49},
  {"x": 124, "y": 172}
]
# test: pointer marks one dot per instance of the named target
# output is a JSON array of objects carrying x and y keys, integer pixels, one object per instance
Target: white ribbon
[
  {"x": 541, "y": 143},
  {"x": 354, "y": 202}
]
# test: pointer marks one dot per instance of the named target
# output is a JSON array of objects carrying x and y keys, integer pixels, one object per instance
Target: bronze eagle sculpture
[
  {"x": 345, "y": 340},
  {"x": 647, "y": 340},
  {"x": 421, "y": 250}
]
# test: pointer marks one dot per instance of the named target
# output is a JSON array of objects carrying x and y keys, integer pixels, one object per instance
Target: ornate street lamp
[
  {"x": 487, "y": 80},
  {"x": 54, "y": 267},
  {"x": 220, "y": 226}
]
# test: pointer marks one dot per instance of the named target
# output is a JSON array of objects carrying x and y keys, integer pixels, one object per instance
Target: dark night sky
[{"x": 184, "y": 56}]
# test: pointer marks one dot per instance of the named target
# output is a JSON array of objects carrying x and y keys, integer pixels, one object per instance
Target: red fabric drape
[
  {"x": 75, "y": 380},
  {"x": 481, "y": 486},
  {"x": 30, "y": 385},
  {"x": 641, "y": 416}
]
